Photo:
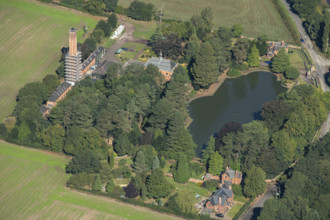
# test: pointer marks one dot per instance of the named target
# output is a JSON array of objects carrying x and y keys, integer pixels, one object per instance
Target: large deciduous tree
[
  {"x": 182, "y": 201},
  {"x": 254, "y": 182},
  {"x": 157, "y": 185}
]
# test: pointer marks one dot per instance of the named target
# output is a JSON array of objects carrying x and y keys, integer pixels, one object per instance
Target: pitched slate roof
[
  {"x": 103, "y": 67},
  {"x": 221, "y": 195},
  {"x": 98, "y": 51},
  {"x": 59, "y": 91},
  {"x": 162, "y": 64},
  {"x": 231, "y": 173},
  {"x": 43, "y": 109}
]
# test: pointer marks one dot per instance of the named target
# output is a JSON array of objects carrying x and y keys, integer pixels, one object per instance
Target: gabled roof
[
  {"x": 231, "y": 173},
  {"x": 221, "y": 196},
  {"x": 162, "y": 64},
  {"x": 98, "y": 51},
  {"x": 103, "y": 67},
  {"x": 44, "y": 109},
  {"x": 59, "y": 91}
]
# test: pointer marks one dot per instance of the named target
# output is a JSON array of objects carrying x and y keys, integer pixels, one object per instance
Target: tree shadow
[
  {"x": 256, "y": 115},
  {"x": 327, "y": 78},
  {"x": 256, "y": 213}
]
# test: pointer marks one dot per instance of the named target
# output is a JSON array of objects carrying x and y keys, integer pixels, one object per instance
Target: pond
[{"x": 239, "y": 99}]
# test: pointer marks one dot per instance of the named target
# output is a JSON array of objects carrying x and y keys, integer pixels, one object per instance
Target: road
[
  {"x": 126, "y": 37},
  {"x": 254, "y": 211},
  {"x": 321, "y": 64}
]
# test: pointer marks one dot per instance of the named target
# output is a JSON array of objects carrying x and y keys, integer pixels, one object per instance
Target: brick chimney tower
[{"x": 72, "y": 42}]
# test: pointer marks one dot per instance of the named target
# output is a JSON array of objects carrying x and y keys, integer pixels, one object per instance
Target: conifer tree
[
  {"x": 162, "y": 162},
  {"x": 97, "y": 185},
  {"x": 157, "y": 185},
  {"x": 205, "y": 69},
  {"x": 139, "y": 164},
  {"x": 209, "y": 150},
  {"x": 155, "y": 163},
  {"x": 253, "y": 58},
  {"x": 112, "y": 159},
  {"x": 110, "y": 186},
  {"x": 280, "y": 62},
  {"x": 181, "y": 174},
  {"x": 215, "y": 164}
]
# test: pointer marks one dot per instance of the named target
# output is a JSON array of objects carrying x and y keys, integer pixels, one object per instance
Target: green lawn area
[
  {"x": 127, "y": 55},
  {"x": 190, "y": 186},
  {"x": 258, "y": 17},
  {"x": 143, "y": 30},
  {"x": 33, "y": 187},
  {"x": 31, "y": 38},
  {"x": 241, "y": 199},
  {"x": 296, "y": 60},
  {"x": 233, "y": 211}
]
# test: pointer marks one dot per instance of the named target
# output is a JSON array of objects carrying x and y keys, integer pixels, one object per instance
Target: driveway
[
  {"x": 126, "y": 37},
  {"x": 321, "y": 64},
  {"x": 254, "y": 211}
]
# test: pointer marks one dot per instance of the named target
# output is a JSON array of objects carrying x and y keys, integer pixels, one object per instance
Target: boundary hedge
[{"x": 288, "y": 21}]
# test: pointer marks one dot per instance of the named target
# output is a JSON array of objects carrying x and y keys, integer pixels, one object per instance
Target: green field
[
  {"x": 31, "y": 38},
  {"x": 257, "y": 16},
  {"x": 33, "y": 187},
  {"x": 233, "y": 211},
  {"x": 296, "y": 60}
]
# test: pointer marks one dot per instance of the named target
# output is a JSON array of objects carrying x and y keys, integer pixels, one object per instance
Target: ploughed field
[
  {"x": 31, "y": 38},
  {"x": 33, "y": 187},
  {"x": 257, "y": 16}
]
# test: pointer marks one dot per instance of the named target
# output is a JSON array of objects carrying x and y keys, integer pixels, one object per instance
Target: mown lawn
[
  {"x": 233, "y": 211},
  {"x": 296, "y": 60},
  {"x": 257, "y": 16},
  {"x": 127, "y": 55},
  {"x": 33, "y": 187},
  {"x": 31, "y": 38}
]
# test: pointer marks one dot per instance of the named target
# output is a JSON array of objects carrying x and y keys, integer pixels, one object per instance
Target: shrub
[
  {"x": 233, "y": 73},
  {"x": 110, "y": 186},
  {"x": 237, "y": 189},
  {"x": 211, "y": 185},
  {"x": 131, "y": 191},
  {"x": 118, "y": 191},
  {"x": 81, "y": 180},
  {"x": 122, "y": 172},
  {"x": 241, "y": 67},
  {"x": 291, "y": 73}
]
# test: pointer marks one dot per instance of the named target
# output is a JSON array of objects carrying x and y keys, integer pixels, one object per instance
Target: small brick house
[
  {"x": 221, "y": 200},
  {"x": 274, "y": 47},
  {"x": 234, "y": 177}
]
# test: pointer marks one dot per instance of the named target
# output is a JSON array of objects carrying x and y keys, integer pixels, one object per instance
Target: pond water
[{"x": 238, "y": 99}]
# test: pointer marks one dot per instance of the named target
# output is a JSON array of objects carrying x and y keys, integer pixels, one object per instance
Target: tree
[
  {"x": 97, "y": 185},
  {"x": 221, "y": 53},
  {"x": 203, "y": 23},
  {"x": 240, "y": 51},
  {"x": 95, "y": 6},
  {"x": 204, "y": 70},
  {"x": 112, "y": 20},
  {"x": 280, "y": 62},
  {"x": 98, "y": 35},
  {"x": 157, "y": 185},
  {"x": 253, "y": 58},
  {"x": 155, "y": 163},
  {"x": 237, "y": 30},
  {"x": 181, "y": 174},
  {"x": 182, "y": 201},
  {"x": 275, "y": 210},
  {"x": 110, "y": 186},
  {"x": 254, "y": 182},
  {"x": 169, "y": 45},
  {"x": 53, "y": 137},
  {"x": 112, "y": 159},
  {"x": 209, "y": 150},
  {"x": 215, "y": 164},
  {"x": 84, "y": 161},
  {"x": 106, "y": 27},
  {"x": 110, "y": 5},
  {"x": 291, "y": 73},
  {"x": 131, "y": 191},
  {"x": 225, "y": 34},
  {"x": 88, "y": 47},
  {"x": 262, "y": 45},
  {"x": 140, "y": 11},
  {"x": 124, "y": 146},
  {"x": 139, "y": 164}
]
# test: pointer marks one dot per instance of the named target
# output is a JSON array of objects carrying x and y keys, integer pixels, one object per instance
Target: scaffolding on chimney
[{"x": 73, "y": 67}]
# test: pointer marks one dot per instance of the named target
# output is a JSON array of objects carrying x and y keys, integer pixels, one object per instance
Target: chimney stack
[{"x": 72, "y": 42}]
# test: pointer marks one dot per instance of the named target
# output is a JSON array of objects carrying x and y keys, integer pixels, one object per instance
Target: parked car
[
  {"x": 124, "y": 48},
  {"x": 219, "y": 215}
]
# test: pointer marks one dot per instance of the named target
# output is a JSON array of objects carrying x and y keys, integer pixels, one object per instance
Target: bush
[
  {"x": 121, "y": 10},
  {"x": 122, "y": 172},
  {"x": 237, "y": 189},
  {"x": 131, "y": 191},
  {"x": 211, "y": 185},
  {"x": 291, "y": 73},
  {"x": 140, "y": 11},
  {"x": 233, "y": 73},
  {"x": 81, "y": 180},
  {"x": 118, "y": 191},
  {"x": 110, "y": 186}
]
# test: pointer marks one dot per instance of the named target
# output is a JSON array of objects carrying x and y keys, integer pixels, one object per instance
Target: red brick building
[
  {"x": 221, "y": 200},
  {"x": 234, "y": 177}
]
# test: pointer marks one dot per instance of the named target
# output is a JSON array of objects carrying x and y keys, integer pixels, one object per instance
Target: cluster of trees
[
  {"x": 140, "y": 11},
  {"x": 304, "y": 191},
  {"x": 281, "y": 64},
  {"x": 316, "y": 20},
  {"x": 99, "y": 7},
  {"x": 288, "y": 124}
]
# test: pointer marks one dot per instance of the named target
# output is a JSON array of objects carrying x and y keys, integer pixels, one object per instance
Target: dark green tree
[
  {"x": 275, "y": 210},
  {"x": 131, "y": 191},
  {"x": 110, "y": 186},
  {"x": 84, "y": 161},
  {"x": 240, "y": 51},
  {"x": 88, "y": 47},
  {"x": 209, "y": 150},
  {"x": 112, "y": 20},
  {"x": 280, "y": 62},
  {"x": 96, "y": 7},
  {"x": 110, "y": 5},
  {"x": 254, "y": 182},
  {"x": 262, "y": 45},
  {"x": 181, "y": 173},
  {"x": 140, "y": 11},
  {"x": 112, "y": 159},
  {"x": 215, "y": 164},
  {"x": 182, "y": 201},
  {"x": 157, "y": 185},
  {"x": 204, "y": 70},
  {"x": 155, "y": 163},
  {"x": 97, "y": 185}
]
